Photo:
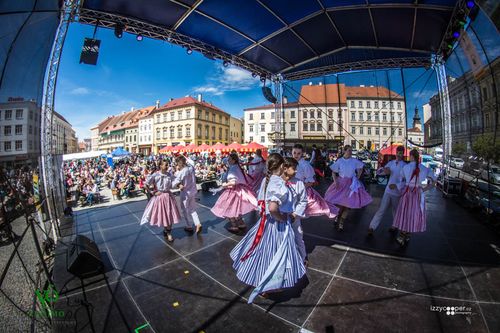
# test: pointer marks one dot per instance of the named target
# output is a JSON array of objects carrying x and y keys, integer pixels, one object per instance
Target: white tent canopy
[{"x": 84, "y": 155}]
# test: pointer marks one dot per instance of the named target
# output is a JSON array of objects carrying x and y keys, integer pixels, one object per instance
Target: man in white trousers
[
  {"x": 392, "y": 193},
  {"x": 185, "y": 180}
]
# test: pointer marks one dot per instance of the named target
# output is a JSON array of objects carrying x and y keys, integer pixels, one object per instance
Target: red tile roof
[
  {"x": 272, "y": 106},
  {"x": 186, "y": 101},
  {"x": 371, "y": 92},
  {"x": 323, "y": 94},
  {"x": 125, "y": 120}
]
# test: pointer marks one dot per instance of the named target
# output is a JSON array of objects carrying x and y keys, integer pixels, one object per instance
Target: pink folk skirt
[
  {"x": 317, "y": 206},
  {"x": 161, "y": 211},
  {"x": 410, "y": 215},
  {"x": 341, "y": 195},
  {"x": 235, "y": 202}
]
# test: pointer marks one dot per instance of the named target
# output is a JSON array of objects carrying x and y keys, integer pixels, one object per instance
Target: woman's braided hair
[
  {"x": 416, "y": 157},
  {"x": 274, "y": 162}
]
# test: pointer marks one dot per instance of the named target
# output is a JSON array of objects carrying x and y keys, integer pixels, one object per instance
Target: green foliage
[
  {"x": 458, "y": 149},
  {"x": 485, "y": 147}
]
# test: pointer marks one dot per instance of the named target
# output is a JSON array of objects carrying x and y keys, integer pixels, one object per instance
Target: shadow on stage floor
[{"x": 353, "y": 283}]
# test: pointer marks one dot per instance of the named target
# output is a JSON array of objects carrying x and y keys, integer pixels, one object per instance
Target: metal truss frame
[
  {"x": 460, "y": 12},
  {"x": 137, "y": 27},
  {"x": 51, "y": 174},
  {"x": 444, "y": 100},
  {"x": 360, "y": 65}
]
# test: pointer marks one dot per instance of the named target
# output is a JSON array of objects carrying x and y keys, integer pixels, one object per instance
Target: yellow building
[
  {"x": 236, "y": 130},
  {"x": 187, "y": 120}
]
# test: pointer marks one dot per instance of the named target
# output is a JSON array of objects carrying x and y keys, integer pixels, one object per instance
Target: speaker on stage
[
  {"x": 83, "y": 258},
  {"x": 90, "y": 51},
  {"x": 268, "y": 94}
]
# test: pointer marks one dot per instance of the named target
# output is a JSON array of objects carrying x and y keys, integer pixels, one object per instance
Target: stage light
[
  {"x": 262, "y": 79},
  {"x": 254, "y": 75},
  {"x": 470, "y": 4},
  {"x": 456, "y": 34},
  {"x": 225, "y": 63},
  {"x": 139, "y": 38},
  {"x": 119, "y": 30},
  {"x": 450, "y": 46},
  {"x": 189, "y": 51}
]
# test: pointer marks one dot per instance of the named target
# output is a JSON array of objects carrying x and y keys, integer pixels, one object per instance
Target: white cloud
[
  {"x": 227, "y": 79},
  {"x": 80, "y": 91}
]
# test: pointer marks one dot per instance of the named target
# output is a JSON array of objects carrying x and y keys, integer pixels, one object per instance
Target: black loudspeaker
[
  {"x": 208, "y": 185},
  {"x": 83, "y": 258},
  {"x": 90, "y": 51},
  {"x": 268, "y": 94}
]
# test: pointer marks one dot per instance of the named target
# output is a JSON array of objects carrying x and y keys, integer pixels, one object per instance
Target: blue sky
[{"x": 135, "y": 74}]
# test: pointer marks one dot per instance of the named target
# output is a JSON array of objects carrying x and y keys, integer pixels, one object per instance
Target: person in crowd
[
  {"x": 162, "y": 209},
  {"x": 238, "y": 198},
  {"x": 346, "y": 191},
  {"x": 257, "y": 170},
  {"x": 410, "y": 214},
  {"x": 390, "y": 199},
  {"x": 267, "y": 257},
  {"x": 185, "y": 180}
]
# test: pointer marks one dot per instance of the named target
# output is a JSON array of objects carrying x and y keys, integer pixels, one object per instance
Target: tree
[
  {"x": 485, "y": 147},
  {"x": 458, "y": 149}
]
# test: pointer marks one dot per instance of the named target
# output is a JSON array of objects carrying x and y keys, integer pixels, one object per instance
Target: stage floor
[{"x": 353, "y": 283}]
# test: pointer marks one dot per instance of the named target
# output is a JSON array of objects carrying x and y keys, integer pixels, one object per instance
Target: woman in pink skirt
[
  {"x": 410, "y": 214},
  {"x": 237, "y": 199},
  {"x": 346, "y": 190},
  {"x": 161, "y": 209}
]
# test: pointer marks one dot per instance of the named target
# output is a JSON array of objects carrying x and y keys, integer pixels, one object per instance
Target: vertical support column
[
  {"x": 444, "y": 100},
  {"x": 50, "y": 173},
  {"x": 278, "y": 114}
]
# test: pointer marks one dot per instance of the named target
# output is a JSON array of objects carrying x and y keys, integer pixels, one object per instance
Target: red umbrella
[
  {"x": 177, "y": 149},
  {"x": 202, "y": 147},
  {"x": 165, "y": 149},
  {"x": 391, "y": 150},
  {"x": 253, "y": 146},
  {"x": 218, "y": 146},
  {"x": 190, "y": 148},
  {"x": 234, "y": 146}
]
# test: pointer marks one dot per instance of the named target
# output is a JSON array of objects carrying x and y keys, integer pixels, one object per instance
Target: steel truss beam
[
  {"x": 108, "y": 20},
  {"x": 360, "y": 65},
  {"x": 459, "y": 13},
  {"x": 50, "y": 170},
  {"x": 444, "y": 100}
]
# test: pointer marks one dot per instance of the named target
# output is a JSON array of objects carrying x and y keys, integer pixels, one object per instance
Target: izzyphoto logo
[{"x": 452, "y": 310}]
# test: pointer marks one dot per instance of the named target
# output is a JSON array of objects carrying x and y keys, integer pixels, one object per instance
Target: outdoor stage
[{"x": 353, "y": 283}]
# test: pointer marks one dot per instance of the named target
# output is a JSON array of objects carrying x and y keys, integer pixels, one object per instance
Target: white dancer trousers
[
  {"x": 299, "y": 238},
  {"x": 189, "y": 214},
  {"x": 388, "y": 201}
]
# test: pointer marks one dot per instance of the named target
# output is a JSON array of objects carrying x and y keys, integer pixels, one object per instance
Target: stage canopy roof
[{"x": 297, "y": 39}]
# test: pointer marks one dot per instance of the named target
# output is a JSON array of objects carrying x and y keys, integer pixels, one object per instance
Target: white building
[
  {"x": 63, "y": 136},
  {"x": 19, "y": 133},
  {"x": 146, "y": 135},
  {"x": 94, "y": 138}
]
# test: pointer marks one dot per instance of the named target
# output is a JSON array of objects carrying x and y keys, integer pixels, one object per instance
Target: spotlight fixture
[
  {"x": 119, "y": 30},
  {"x": 263, "y": 79},
  {"x": 189, "y": 51},
  {"x": 225, "y": 63},
  {"x": 456, "y": 34},
  {"x": 254, "y": 75},
  {"x": 139, "y": 38},
  {"x": 470, "y": 4}
]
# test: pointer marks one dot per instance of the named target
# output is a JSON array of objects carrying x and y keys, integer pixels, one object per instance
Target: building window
[
  {"x": 368, "y": 106},
  {"x": 199, "y": 114},
  {"x": 164, "y": 132},
  {"x": 377, "y": 131},
  {"x": 262, "y": 127},
  {"x": 392, "y": 105},
  {"x": 179, "y": 132},
  {"x": 304, "y": 114},
  {"x": 369, "y": 116},
  {"x": 272, "y": 115},
  {"x": 262, "y": 139},
  {"x": 227, "y": 133},
  {"x": 158, "y": 118},
  {"x": 19, "y": 145},
  {"x": 8, "y": 115},
  {"x": 377, "y": 116},
  {"x": 384, "y": 117},
  {"x": 172, "y": 115},
  {"x": 164, "y": 118},
  {"x": 135, "y": 138},
  {"x": 250, "y": 138},
  {"x": 318, "y": 114},
  {"x": 262, "y": 116},
  {"x": 361, "y": 116},
  {"x": 352, "y": 104},
  {"x": 311, "y": 114},
  {"x": 220, "y": 119},
  {"x": 312, "y": 128},
  {"x": 486, "y": 120},
  {"x": 207, "y": 115},
  {"x": 292, "y": 114},
  {"x": 319, "y": 126},
  {"x": 188, "y": 131},
  {"x": 172, "y": 132},
  {"x": 330, "y": 113},
  {"x": 199, "y": 131},
  {"x": 126, "y": 139},
  {"x": 392, "y": 117},
  {"x": 304, "y": 127},
  {"x": 30, "y": 129},
  {"x": 376, "y": 104},
  {"x": 292, "y": 127},
  {"x": 207, "y": 130},
  {"x": 400, "y": 117},
  {"x": 400, "y": 132},
  {"x": 250, "y": 116},
  {"x": 31, "y": 145},
  {"x": 19, "y": 114},
  {"x": 7, "y": 146},
  {"x": 31, "y": 114},
  {"x": 19, "y": 129},
  {"x": 384, "y": 131},
  {"x": 360, "y": 104},
  {"x": 353, "y": 130},
  {"x": 369, "y": 130},
  {"x": 213, "y": 132},
  {"x": 273, "y": 127},
  {"x": 250, "y": 128},
  {"x": 7, "y": 130},
  {"x": 330, "y": 127},
  {"x": 353, "y": 116},
  {"x": 361, "y": 130},
  {"x": 399, "y": 105},
  {"x": 220, "y": 132},
  {"x": 188, "y": 114}
]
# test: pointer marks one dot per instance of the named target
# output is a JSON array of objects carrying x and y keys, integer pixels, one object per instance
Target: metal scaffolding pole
[{"x": 444, "y": 99}]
